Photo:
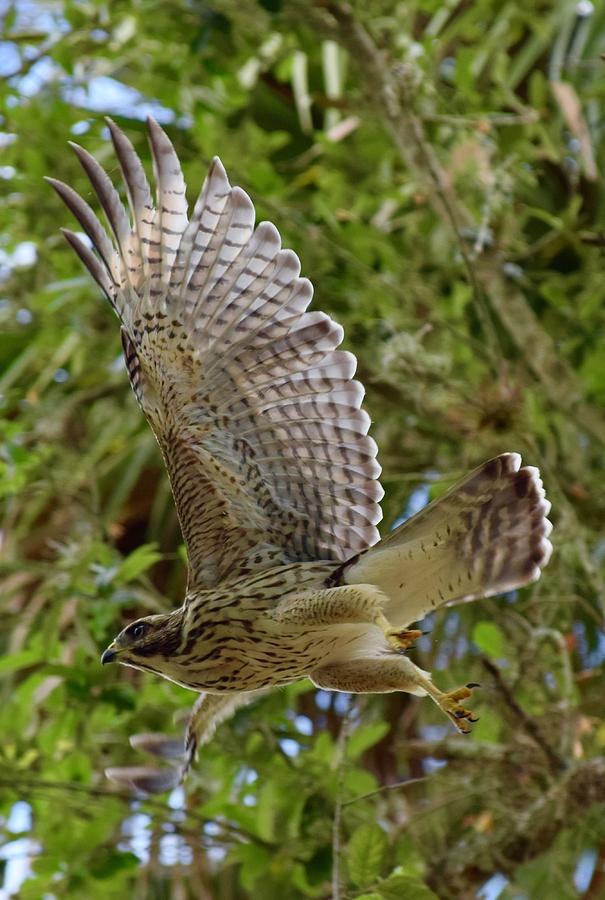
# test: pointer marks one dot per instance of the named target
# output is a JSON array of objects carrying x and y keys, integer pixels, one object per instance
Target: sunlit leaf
[
  {"x": 404, "y": 887},
  {"x": 365, "y": 736},
  {"x": 489, "y": 638},
  {"x": 365, "y": 854},
  {"x": 139, "y": 561}
]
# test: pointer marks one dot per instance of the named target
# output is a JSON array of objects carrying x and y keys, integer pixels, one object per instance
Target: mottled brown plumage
[{"x": 259, "y": 420}]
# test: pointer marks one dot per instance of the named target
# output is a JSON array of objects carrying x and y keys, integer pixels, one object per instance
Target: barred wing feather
[{"x": 255, "y": 410}]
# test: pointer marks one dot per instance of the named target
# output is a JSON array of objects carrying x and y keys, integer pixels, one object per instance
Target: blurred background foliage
[{"x": 439, "y": 168}]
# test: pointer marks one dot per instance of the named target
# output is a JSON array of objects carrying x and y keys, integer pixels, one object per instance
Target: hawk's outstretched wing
[{"x": 255, "y": 410}]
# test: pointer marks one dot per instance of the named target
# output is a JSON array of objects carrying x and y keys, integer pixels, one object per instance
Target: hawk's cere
[{"x": 274, "y": 475}]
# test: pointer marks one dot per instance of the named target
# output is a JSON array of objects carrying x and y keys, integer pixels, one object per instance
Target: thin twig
[
  {"x": 529, "y": 833},
  {"x": 391, "y": 94},
  {"x": 455, "y": 748},
  {"x": 387, "y": 787},
  {"x": 491, "y": 119},
  {"x": 340, "y": 766},
  {"x": 556, "y": 763},
  {"x": 19, "y": 783},
  {"x": 387, "y": 86}
]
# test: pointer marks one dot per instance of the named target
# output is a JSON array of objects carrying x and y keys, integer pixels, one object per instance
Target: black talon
[
  {"x": 473, "y": 720},
  {"x": 473, "y": 684}
]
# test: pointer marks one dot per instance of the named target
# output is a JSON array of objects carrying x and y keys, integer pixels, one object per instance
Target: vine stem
[{"x": 340, "y": 766}]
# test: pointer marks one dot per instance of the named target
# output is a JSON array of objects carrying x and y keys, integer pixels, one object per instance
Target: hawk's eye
[{"x": 137, "y": 631}]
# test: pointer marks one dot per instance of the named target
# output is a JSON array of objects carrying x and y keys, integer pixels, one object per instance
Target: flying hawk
[{"x": 275, "y": 478}]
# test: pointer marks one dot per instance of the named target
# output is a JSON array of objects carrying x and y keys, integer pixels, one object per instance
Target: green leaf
[
  {"x": 404, "y": 887},
  {"x": 120, "y": 696},
  {"x": 255, "y": 862},
  {"x": 489, "y": 638},
  {"x": 139, "y": 561},
  {"x": 323, "y": 750},
  {"x": 365, "y": 855},
  {"x": 407, "y": 854},
  {"x": 113, "y": 862},
  {"x": 364, "y": 737},
  {"x": 358, "y": 782},
  {"x": 488, "y": 728},
  {"x": 21, "y": 660},
  {"x": 267, "y": 809}
]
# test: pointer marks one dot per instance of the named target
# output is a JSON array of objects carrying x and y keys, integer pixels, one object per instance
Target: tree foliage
[{"x": 438, "y": 168}]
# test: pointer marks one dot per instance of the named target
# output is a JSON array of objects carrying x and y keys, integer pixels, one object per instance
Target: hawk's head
[{"x": 147, "y": 644}]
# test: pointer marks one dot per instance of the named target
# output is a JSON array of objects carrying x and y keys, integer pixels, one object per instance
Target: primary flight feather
[{"x": 274, "y": 476}]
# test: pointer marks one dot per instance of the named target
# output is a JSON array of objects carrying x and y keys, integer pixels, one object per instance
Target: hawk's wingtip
[{"x": 144, "y": 778}]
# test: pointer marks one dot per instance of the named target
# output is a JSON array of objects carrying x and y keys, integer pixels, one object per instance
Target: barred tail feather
[{"x": 488, "y": 534}]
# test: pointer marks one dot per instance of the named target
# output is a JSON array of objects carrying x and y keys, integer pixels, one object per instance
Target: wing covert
[{"x": 255, "y": 409}]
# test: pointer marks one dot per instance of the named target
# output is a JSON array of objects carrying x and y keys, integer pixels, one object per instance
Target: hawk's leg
[
  {"x": 394, "y": 673},
  {"x": 209, "y": 710},
  {"x": 399, "y": 639},
  {"x": 347, "y": 605}
]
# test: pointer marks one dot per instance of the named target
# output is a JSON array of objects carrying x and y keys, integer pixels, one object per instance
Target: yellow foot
[
  {"x": 402, "y": 640},
  {"x": 398, "y": 638},
  {"x": 449, "y": 703}
]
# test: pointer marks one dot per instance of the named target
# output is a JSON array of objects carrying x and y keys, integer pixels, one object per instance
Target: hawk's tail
[{"x": 488, "y": 534}]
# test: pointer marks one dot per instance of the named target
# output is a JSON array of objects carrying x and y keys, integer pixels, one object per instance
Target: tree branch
[
  {"x": 390, "y": 88},
  {"x": 529, "y": 725},
  {"x": 340, "y": 766},
  {"x": 520, "y": 837}
]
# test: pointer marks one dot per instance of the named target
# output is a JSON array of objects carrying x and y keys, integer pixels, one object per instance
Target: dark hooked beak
[{"x": 108, "y": 656}]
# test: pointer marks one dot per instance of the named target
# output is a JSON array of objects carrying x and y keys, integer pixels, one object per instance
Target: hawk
[{"x": 274, "y": 476}]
